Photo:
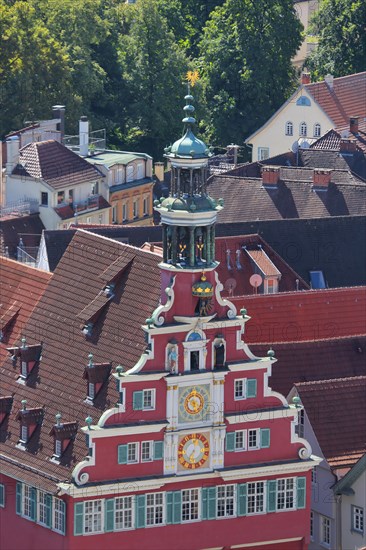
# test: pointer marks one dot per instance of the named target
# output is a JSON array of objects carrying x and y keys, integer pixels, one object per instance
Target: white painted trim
[
  {"x": 258, "y": 416},
  {"x": 188, "y": 219},
  {"x": 148, "y": 377},
  {"x": 97, "y": 431},
  {"x": 279, "y": 469},
  {"x": 171, "y": 267},
  {"x": 265, "y": 542},
  {"x": 81, "y": 479},
  {"x": 232, "y": 311},
  {"x": 157, "y": 317},
  {"x": 268, "y": 392},
  {"x": 253, "y": 365}
]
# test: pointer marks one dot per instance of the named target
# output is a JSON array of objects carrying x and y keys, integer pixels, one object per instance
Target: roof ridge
[
  {"x": 85, "y": 232},
  {"x": 330, "y": 381},
  {"x": 312, "y": 341}
]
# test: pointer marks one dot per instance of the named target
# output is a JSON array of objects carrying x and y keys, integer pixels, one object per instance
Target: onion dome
[{"x": 203, "y": 288}]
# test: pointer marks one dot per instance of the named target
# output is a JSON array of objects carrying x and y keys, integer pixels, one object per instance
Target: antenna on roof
[{"x": 255, "y": 281}]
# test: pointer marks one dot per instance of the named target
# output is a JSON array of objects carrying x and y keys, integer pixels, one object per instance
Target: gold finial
[
  {"x": 203, "y": 276},
  {"x": 192, "y": 77}
]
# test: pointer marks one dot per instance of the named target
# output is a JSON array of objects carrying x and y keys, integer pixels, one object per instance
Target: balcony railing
[{"x": 22, "y": 207}]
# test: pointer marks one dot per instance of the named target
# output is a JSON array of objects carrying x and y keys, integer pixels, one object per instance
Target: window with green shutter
[
  {"x": 49, "y": 510},
  {"x": 122, "y": 454},
  {"x": 19, "y": 498},
  {"x": 2, "y": 495},
  {"x": 265, "y": 438},
  {"x": 271, "y": 495},
  {"x": 158, "y": 450},
  {"x": 33, "y": 509},
  {"x": 301, "y": 492},
  {"x": 140, "y": 511},
  {"x": 138, "y": 400},
  {"x": 109, "y": 515},
  {"x": 173, "y": 507},
  {"x": 230, "y": 442},
  {"x": 78, "y": 518},
  {"x": 251, "y": 387},
  {"x": 204, "y": 503},
  {"x": 211, "y": 503},
  {"x": 242, "y": 499}
]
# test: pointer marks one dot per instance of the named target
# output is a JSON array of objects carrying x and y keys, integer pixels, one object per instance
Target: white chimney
[
  {"x": 12, "y": 153},
  {"x": 58, "y": 112},
  {"x": 328, "y": 79},
  {"x": 84, "y": 136}
]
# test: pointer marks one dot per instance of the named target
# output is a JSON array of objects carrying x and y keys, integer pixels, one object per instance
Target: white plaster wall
[
  {"x": 350, "y": 539},
  {"x": 273, "y": 135}
]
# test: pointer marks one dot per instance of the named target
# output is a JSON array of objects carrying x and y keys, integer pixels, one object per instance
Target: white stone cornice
[
  {"x": 232, "y": 311},
  {"x": 157, "y": 316},
  {"x": 241, "y": 417},
  {"x": 96, "y": 432}
]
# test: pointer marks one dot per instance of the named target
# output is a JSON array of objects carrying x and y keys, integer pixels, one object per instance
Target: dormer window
[
  {"x": 29, "y": 356},
  {"x": 24, "y": 369},
  {"x": 91, "y": 390},
  {"x": 95, "y": 374},
  {"x": 5, "y": 407},
  {"x": 24, "y": 434},
  {"x": 29, "y": 420},
  {"x": 63, "y": 433}
]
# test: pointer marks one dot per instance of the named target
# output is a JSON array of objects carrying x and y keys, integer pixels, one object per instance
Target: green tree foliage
[
  {"x": 246, "y": 53},
  {"x": 341, "y": 29}
]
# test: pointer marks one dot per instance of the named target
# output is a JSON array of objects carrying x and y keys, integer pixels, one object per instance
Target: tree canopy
[{"x": 341, "y": 29}]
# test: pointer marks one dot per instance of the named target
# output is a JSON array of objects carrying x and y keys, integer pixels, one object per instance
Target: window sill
[
  {"x": 240, "y": 398},
  {"x": 356, "y": 531}
]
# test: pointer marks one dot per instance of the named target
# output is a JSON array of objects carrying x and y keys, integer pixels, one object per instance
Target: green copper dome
[{"x": 189, "y": 204}]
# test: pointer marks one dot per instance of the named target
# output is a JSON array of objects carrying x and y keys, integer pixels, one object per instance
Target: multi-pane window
[
  {"x": 313, "y": 475},
  {"x": 58, "y": 515},
  {"x": 263, "y": 153},
  {"x": 123, "y": 513},
  {"x": 255, "y": 492},
  {"x": 148, "y": 401},
  {"x": 136, "y": 208},
  {"x": 357, "y": 519},
  {"x": 253, "y": 439},
  {"x": 289, "y": 129},
  {"x": 93, "y": 516},
  {"x": 132, "y": 452},
  {"x": 285, "y": 494},
  {"x": 325, "y": 531},
  {"x": 58, "y": 447},
  {"x": 24, "y": 433},
  {"x": 91, "y": 390},
  {"x": 24, "y": 369},
  {"x": 114, "y": 214},
  {"x": 317, "y": 130},
  {"x": 303, "y": 131},
  {"x": 146, "y": 206},
  {"x": 44, "y": 198},
  {"x": 42, "y": 507},
  {"x": 300, "y": 422},
  {"x": 240, "y": 440},
  {"x": 146, "y": 451},
  {"x": 225, "y": 501},
  {"x": 125, "y": 211},
  {"x": 155, "y": 509},
  {"x": 190, "y": 504},
  {"x": 2, "y": 495},
  {"x": 27, "y": 501},
  {"x": 60, "y": 197},
  {"x": 240, "y": 389}
]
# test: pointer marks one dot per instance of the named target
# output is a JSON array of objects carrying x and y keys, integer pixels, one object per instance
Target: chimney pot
[
  {"x": 322, "y": 178},
  {"x": 348, "y": 145},
  {"x": 159, "y": 170},
  {"x": 58, "y": 111},
  {"x": 83, "y": 136},
  {"x": 353, "y": 124},
  {"x": 270, "y": 175},
  {"x": 305, "y": 78}
]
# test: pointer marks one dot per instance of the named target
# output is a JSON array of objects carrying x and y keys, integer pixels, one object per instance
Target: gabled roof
[
  {"x": 337, "y": 412},
  {"x": 55, "y": 164},
  {"x": 344, "y": 485},
  {"x": 346, "y": 98},
  {"x": 29, "y": 228},
  {"x": 117, "y": 338}
]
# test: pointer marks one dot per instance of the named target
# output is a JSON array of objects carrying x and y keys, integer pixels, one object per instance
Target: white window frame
[
  {"x": 136, "y": 209},
  {"x": 240, "y": 434},
  {"x": 289, "y": 128},
  {"x": 150, "y": 455},
  {"x": 58, "y": 448},
  {"x": 285, "y": 492},
  {"x": 152, "y": 392},
  {"x": 300, "y": 422},
  {"x": 24, "y": 369},
  {"x": 192, "y": 502},
  {"x": 257, "y": 445},
  {"x": 26, "y": 501},
  {"x": 125, "y": 507},
  {"x": 58, "y": 515},
  {"x": 317, "y": 130},
  {"x": 136, "y": 445},
  {"x": 226, "y": 501},
  {"x": 114, "y": 213},
  {"x": 303, "y": 129},
  {"x": 145, "y": 207},
  {"x": 325, "y": 531},
  {"x": 125, "y": 211},
  {"x": 91, "y": 391},
  {"x": 243, "y": 394},
  {"x": 24, "y": 433},
  {"x": 256, "y": 491},
  {"x": 273, "y": 289},
  {"x": 94, "y": 514},
  {"x": 41, "y": 508},
  {"x": 154, "y": 508},
  {"x": 314, "y": 476},
  {"x": 263, "y": 153},
  {"x": 358, "y": 519}
]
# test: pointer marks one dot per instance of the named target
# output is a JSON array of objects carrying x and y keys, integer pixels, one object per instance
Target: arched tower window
[
  {"x": 317, "y": 130},
  {"x": 289, "y": 129},
  {"x": 303, "y": 129}
]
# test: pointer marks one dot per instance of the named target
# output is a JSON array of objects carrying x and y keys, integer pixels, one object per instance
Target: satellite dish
[
  {"x": 344, "y": 134},
  {"x": 230, "y": 284},
  {"x": 256, "y": 280},
  {"x": 295, "y": 147},
  {"x": 303, "y": 143}
]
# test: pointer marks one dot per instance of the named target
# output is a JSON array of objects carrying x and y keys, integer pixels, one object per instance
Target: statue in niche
[
  {"x": 199, "y": 245},
  {"x": 172, "y": 359},
  {"x": 219, "y": 354},
  {"x": 182, "y": 244},
  {"x": 204, "y": 307},
  {"x": 169, "y": 242}
]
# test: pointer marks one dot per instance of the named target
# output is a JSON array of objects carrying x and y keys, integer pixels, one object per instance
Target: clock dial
[
  {"x": 193, "y": 402},
  {"x": 193, "y": 451}
]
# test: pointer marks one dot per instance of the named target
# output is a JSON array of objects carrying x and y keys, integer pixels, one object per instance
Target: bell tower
[{"x": 189, "y": 214}]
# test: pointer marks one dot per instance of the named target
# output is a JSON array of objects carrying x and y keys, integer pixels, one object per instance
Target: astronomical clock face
[
  {"x": 193, "y": 451},
  {"x": 193, "y": 402}
]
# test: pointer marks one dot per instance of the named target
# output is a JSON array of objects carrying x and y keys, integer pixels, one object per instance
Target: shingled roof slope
[
  {"x": 29, "y": 228},
  {"x": 315, "y": 360},
  {"x": 346, "y": 98},
  {"x": 57, "y": 382},
  {"x": 55, "y": 164},
  {"x": 337, "y": 413}
]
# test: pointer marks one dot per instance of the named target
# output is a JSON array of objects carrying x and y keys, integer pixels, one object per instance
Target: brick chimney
[
  {"x": 305, "y": 78},
  {"x": 270, "y": 176},
  {"x": 159, "y": 170},
  {"x": 353, "y": 124},
  {"x": 348, "y": 145},
  {"x": 321, "y": 178}
]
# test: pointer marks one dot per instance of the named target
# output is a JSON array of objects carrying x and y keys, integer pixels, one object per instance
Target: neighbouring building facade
[{"x": 197, "y": 448}]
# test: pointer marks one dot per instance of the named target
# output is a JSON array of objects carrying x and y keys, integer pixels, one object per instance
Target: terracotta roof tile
[
  {"x": 337, "y": 412},
  {"x": 55, "y": 164},
  {"x": 346, "y": 99}
]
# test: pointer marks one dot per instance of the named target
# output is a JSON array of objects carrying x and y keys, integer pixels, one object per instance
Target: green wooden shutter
[
  {"x": 158, "y": 450},
  {"x": 211, "y": 503},
  {"x": 49, "y": 511},
  {"x": 19, "y": 498},
  {"x": 230, "y": 441},
  {"x": 33, "y": 503},
  {"x": 169, "y": 507},
  {"x": 137, "y": 400},
  {"x": 204, "y": 503},
  {"x": 122, "y": 454},
  {"x": 140, "y": 511},
  {"x": 63, "y": 511},
  {"x": 252, "y": 387},
  {"x": 2, "y": 495},
  {"x": 78, "y": 518},
  {"x": 177, "y": 507},
  {"x": 242, "y": 499},
  {"x": 109, "y": 515},
  {"x": 271, "y": 495},
  {"x": 301, "y": 492},
  {"x": 265, "y": 438}
]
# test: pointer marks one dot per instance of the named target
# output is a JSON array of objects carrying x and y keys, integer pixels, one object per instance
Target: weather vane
[{"x": 192, "y": 77}]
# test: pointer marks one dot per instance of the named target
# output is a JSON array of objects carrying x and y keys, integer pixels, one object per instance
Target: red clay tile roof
[
  {"x": 346, "y": 99},
  {"x": 21, "y": 285},
  {"x": 337, "y": 412},
  {"x": 68, "y": 212},
  {"x": 58, "y": 383},
  {"x": 55, "y": 164},
  {"x": 315, "y": 360},
  {"x": 305, "y": 315},
  {"x": 263, "y": 263}
]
